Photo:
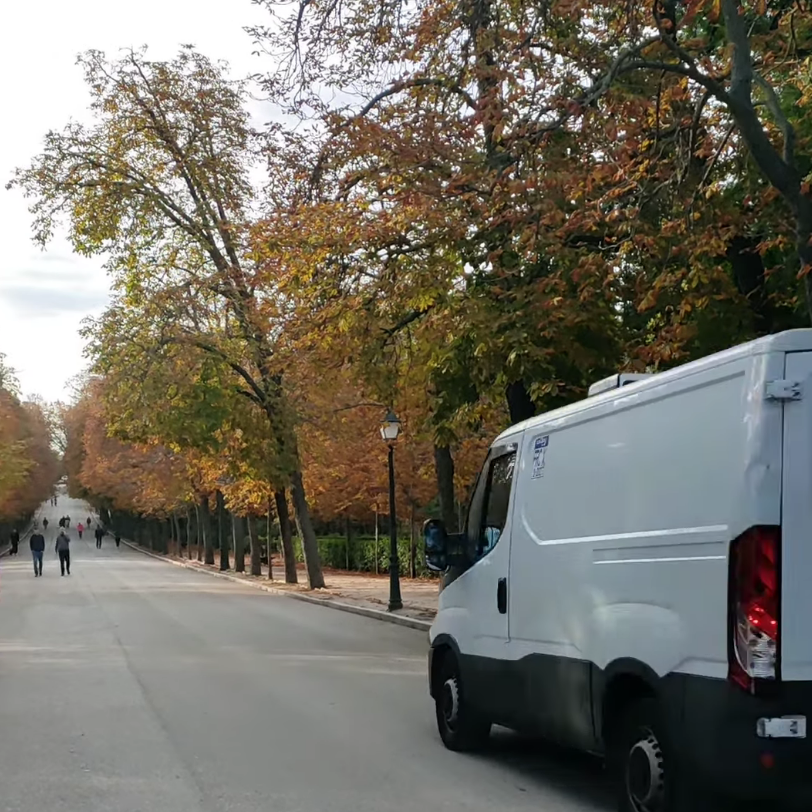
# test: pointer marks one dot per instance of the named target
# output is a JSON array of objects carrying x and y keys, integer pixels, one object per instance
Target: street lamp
[{"x": 390, "y": 429}]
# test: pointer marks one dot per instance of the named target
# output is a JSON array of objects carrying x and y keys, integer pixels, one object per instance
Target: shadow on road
[
  {"x": 534, "y": 761},
  {"x": 578, "y": 776}
]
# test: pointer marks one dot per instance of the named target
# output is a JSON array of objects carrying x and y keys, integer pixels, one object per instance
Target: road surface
[{"x": 134, "y": 685}]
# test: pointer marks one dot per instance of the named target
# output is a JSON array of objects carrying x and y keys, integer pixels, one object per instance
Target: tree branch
[
  {"x": 774, "y": 106},
  {"x": 741, "y": 76},
  {"x": 200, "y": 344}
]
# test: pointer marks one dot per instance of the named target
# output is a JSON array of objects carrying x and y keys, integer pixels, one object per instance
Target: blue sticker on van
[{"x": 539, "y": 449}]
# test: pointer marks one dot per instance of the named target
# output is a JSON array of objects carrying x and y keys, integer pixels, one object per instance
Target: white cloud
[{"x": 44, "y": 296}]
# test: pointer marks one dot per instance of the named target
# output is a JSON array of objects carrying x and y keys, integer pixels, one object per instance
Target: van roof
[{"x": 788, "y": 341}]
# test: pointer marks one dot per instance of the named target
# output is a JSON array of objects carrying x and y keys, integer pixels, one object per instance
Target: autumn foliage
[
  {"x": 29, "y": 466},
  {"x": 468, "y": 212}
]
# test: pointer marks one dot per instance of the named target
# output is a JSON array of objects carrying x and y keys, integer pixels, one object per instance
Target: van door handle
[{"x": 501, "y": 596}]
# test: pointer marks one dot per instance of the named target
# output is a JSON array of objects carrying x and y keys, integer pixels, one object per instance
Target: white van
[{"x": 635, "y": 579}]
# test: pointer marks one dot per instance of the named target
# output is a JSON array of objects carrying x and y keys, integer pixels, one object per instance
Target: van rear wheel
[
  {"x": 644, "y": 773},
  {"x": 462, "y": 727},
  {"x": 638, "y": 761}
]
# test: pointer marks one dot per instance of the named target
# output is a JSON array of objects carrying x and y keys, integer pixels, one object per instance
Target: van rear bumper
[{"x": 719, "y": 746}]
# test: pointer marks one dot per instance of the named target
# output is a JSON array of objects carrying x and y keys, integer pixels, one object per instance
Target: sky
[{"x": 45, "y": 295}]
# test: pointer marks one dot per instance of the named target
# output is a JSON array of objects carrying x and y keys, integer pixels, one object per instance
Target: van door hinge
[{"x": 783, "y": 390}]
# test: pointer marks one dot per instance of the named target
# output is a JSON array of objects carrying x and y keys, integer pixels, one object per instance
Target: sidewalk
[{"x": 365, "y": 592}]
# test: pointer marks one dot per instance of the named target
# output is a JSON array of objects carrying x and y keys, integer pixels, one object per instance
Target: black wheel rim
[
  {"x": 450, "y": 703},
  {"x": 645, "y": 774}
]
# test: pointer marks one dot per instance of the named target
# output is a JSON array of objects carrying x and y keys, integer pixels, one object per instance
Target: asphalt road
[{"x": 133, "y": 685}]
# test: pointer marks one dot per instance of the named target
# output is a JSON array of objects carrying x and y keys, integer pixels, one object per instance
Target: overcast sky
[{"x": 45, "y": 295}]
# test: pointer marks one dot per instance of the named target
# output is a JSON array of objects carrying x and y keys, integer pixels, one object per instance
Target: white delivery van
[{"x": 634, "y": 579}]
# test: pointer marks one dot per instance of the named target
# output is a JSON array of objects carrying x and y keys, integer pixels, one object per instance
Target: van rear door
[{"x": 795, "y": 626}]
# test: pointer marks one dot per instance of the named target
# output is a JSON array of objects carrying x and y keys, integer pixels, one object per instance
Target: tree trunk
[
  {"x": 348, "y": 528},
  {"x": 256, "y": 547},
  {"x": 412, "y": 546},
  {"x": 208, "y": 530},
  {"x": 444, "y": 471},
  {"x": 175, "y": 522},
  {"x": 199, "y": 530},
  {"x": 749, "y": 275},
  {"x": 238, "y": 523},
  {"x": 286, "y": 531},
  {"x": 377, "y": 525},
  {"x": 520, "y": 406},
  {"x": 268, "y": 522},
  {"x": 803, "y": 231},
  {"x": 222, "y": 531},
  {"x": 310, "y": 546},
  {"x": 189, "y": 533}
]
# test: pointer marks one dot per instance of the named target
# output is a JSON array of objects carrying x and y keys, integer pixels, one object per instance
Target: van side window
[{"x": 489, "y": 506}]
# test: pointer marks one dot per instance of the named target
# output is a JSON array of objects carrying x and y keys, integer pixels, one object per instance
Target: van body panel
[
  {"x": 795, "y": 630},
  {"x": 632, "y": 514}
]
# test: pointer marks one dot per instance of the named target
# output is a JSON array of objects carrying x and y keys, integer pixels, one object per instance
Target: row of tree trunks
[{"x": 199, "y": 528}]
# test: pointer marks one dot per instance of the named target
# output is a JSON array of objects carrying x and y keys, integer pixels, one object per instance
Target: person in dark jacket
[
  {"x": 14, "y": 538},
  {"x": 118, "y": 539},
  {"x": 89, "y": 521},
  {"x": 63, "y": 551},
  {"x": 37, "y": 544},
  {"x": 99, "y": 536}
]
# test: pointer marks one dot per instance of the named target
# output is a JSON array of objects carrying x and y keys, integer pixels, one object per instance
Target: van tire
[
  {"x": 462, "y": 728},
  {"x": 642, "y": 768}
]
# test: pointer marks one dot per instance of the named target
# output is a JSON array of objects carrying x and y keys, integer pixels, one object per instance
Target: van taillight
[{"x": 755, "y": 600}]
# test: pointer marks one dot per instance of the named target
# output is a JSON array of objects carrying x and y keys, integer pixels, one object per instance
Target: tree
[
  {"x": 702, "y": 78},
  {"x": 161, "y": 184},
  {"x": 29, "y": 467}
]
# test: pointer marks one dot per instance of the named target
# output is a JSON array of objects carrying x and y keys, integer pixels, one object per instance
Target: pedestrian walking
[
  {"x": 44, "y": 524},
  {"x": 80, "y": 528},
  {"x": 63, "y": 551},
  {"x": 89, "y": 521},
  {"x": 118, "y": 539},
  {"x": 37, "y": 544},
  {"x": 67, "y": 521},
  {"x": 14, "y": 540},
  {"x": 99, "y": 536}
]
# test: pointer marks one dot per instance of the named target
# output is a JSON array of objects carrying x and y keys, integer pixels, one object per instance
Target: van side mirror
[{"x": 435, "y": 539}]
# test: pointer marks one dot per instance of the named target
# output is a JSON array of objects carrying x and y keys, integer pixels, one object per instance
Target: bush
[{"x": 360, "y": 557}]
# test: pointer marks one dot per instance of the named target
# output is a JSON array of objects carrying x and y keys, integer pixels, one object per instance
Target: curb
[{"x": 376, "y": 614}]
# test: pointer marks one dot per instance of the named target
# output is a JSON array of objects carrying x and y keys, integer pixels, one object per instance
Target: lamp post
[{"x": 390, "y": 429}]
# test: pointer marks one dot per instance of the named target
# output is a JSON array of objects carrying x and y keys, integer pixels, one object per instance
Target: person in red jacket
[{"x": 80, "y": 528}]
